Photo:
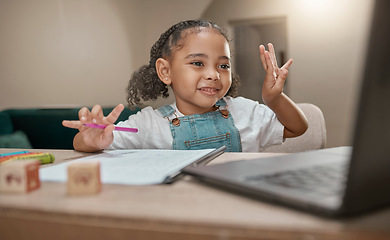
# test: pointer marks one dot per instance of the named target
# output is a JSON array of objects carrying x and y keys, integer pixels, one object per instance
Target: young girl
[{"x": 193, "y": 58}]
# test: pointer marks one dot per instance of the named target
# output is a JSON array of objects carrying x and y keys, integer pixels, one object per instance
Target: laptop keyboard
[{"x": 327, "y": 180}]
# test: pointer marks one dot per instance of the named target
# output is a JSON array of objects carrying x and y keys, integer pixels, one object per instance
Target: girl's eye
[
  {"x": 224, "y": 66},
  {"x": 199, "y": 64}
]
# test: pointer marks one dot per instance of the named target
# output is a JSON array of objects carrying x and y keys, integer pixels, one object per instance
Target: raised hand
[
  {"x": 275, "y": 76},
  {"x": 92, "y": 139}
]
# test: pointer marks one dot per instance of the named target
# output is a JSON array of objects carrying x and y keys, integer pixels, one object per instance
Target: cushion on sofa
[{"x": 18, "y": 139}]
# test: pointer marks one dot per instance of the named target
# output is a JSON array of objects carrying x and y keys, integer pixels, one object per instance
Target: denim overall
[{"x": 201, "y": 131}]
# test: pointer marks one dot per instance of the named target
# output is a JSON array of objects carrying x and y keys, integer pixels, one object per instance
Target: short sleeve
[{"x": 257, "y": 124}]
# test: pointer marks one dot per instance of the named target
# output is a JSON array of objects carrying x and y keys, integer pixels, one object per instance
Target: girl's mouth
[{"x": 208, "y": 90}]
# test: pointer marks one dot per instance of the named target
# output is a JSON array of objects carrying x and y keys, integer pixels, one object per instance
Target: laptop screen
[{"x": 370, "y": 169}]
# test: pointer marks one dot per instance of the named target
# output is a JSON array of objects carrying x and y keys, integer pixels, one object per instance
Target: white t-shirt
[{"x": 256, "y": 123}]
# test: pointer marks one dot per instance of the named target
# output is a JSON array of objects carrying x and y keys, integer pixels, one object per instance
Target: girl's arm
[
  {"x": 92, "y": 139},
  {"x": 287, "y": 112}
]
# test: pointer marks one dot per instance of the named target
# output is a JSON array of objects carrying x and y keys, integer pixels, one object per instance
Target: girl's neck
[{"x": 186, "y": 111}]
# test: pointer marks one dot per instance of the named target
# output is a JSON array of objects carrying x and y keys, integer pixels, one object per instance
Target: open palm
[{"x": 275, "y": 76}]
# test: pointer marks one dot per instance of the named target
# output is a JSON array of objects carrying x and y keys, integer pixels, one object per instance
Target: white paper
[{"x": 134, "y": 167}]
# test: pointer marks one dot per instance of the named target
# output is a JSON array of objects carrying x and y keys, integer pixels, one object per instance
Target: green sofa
[{"x": 42, "y": 128}]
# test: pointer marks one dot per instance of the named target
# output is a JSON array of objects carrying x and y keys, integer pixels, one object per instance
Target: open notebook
[{"x": 137, "y": 167}]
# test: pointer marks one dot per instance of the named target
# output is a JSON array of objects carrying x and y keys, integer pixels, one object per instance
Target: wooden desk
[{"x": 185, "y": 210}]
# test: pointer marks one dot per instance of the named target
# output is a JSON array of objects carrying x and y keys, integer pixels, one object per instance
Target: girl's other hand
[
  {"x": 92, "y": 139},
  {"x": 275, "y": 76}
]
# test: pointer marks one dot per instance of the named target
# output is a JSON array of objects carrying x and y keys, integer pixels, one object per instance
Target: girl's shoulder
[
  {"x": 152, "y": 114},
  {"x": 240, "y": 105},
  {"x": 241, "y": 101},
  {"x": 148, "y": 112}
]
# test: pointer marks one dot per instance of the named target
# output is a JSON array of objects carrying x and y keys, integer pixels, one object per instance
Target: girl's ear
[{"x": 163, "y": 70}]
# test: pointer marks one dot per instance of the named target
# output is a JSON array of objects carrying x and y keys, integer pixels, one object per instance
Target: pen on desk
[
  {"x": 13, "y": 156},
  {"x": 43, "y": 158},
  {"x": 99, "y": 126},
  {"x": 12, "y": 153}
]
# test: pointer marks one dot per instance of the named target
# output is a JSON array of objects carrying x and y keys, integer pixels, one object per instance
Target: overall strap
[
  {"x": 166, "y": 111},
  {"x": 221, "y": 103}
]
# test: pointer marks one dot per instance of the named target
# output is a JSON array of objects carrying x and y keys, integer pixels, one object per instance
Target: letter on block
[
  {"x": 19, "y": 176},
  {"x": 84, "y": 178}
]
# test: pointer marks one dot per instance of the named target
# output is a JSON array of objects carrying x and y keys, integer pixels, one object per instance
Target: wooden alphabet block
[
  {"x": 19, "y": 176},
  {"x": 84, "y": 178}
]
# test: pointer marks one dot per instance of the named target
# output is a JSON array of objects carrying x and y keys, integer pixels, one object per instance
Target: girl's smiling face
[{"x": 199, "y": 71}]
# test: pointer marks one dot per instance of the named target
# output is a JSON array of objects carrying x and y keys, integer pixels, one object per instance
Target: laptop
[{"x": 335, "y": 181}]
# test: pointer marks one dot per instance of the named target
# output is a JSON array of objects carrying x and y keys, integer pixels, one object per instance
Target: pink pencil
[{"x": 124, "y": 129}]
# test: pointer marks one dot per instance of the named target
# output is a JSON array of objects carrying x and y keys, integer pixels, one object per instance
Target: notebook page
[{"x": 134, "y": 167}]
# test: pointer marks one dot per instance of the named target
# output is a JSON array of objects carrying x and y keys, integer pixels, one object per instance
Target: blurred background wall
[{"x": 57, "y": 53}]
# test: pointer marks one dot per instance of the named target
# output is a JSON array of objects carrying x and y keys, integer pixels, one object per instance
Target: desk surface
[{"x": 183, "y": 210}]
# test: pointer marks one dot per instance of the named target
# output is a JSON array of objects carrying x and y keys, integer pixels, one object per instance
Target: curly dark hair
[{"x": 145, "y": 83}]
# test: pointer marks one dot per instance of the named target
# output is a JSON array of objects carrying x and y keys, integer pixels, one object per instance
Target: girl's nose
[{"x": 212, "y": 74}]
